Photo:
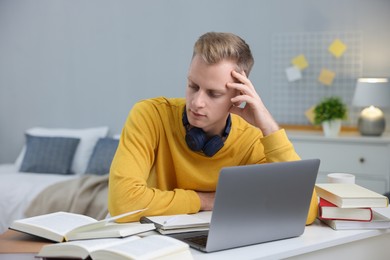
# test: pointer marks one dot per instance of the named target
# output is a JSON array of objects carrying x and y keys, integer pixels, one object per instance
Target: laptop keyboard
[{"x": 199, "y": 240}]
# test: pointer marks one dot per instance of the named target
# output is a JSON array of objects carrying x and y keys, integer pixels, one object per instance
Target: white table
[{"x": 318, "y": 242}]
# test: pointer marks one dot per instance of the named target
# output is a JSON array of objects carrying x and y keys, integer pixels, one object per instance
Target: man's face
[{"x": 207, "y": 97}]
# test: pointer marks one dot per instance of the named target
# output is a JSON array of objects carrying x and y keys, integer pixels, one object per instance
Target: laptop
[{"x": 256, "y": 204}]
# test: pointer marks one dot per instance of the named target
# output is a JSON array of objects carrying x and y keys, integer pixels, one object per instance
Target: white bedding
[{"x": 18, "y": 189}]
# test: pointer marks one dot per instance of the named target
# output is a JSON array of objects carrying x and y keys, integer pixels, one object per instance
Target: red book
[{"x": 327, "y": 210}]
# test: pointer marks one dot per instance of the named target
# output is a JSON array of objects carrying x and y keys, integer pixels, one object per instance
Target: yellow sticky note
[
  {"x": 326, "y": 77},
  {"x": 310, "y": 114},
  {"x": 300, "y": 62},
  {"x": 337, "y": 48}
]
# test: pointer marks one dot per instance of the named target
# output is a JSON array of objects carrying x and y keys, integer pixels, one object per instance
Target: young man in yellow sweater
[{"x": 172, "y": 149}]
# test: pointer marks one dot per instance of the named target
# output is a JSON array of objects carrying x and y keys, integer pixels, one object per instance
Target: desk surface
[{"x": 316, "y": 237}]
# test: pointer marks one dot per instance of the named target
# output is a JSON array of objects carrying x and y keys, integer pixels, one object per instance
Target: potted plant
[{"x": 329, "y": 113}]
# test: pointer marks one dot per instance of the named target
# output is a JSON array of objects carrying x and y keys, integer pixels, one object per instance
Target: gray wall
[{"x": 68, "y": 63}]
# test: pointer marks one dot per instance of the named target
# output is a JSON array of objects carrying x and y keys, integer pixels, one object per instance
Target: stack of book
[
  {"x": 180, "y": 223},
  {"x": 350, "y": 206}
]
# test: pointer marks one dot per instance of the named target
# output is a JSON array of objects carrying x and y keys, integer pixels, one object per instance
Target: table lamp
[{"x": 372, "y": 93}]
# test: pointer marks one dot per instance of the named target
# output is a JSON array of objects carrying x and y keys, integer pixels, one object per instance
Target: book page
[
  {"x": 148, "y": 247},
  {"x": 111, "y": 230},
  {"x": 81, "y": 248},
  {"x": 58, "y": 223},
  {"x": 348, "y": 190},
  {"x": 104, "y": 222}
]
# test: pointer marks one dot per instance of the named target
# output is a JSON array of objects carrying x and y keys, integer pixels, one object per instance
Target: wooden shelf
[{"x": 315, "y": 128}]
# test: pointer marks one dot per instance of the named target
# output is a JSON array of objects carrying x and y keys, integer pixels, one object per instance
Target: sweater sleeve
[
  {"x": 278, "y": 148},
  {"x": 133, "y": 165}
]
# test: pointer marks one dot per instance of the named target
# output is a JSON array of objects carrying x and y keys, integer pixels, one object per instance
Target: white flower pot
[{"x": 331, "y": 128}]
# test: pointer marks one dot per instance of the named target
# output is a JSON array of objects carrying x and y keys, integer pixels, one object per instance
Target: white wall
[{"x": 84, "y": 63}]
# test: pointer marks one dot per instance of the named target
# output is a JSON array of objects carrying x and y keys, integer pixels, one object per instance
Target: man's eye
[
  {"x": 215, "y": 94},
  {"x": 193, "y": 87}
]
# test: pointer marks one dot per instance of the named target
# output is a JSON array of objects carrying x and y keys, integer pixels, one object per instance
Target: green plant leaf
[{"x": 328, "y": 109}]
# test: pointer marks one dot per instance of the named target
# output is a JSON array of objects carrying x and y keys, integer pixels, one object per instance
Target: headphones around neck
[{"x": 197, "y": 140}]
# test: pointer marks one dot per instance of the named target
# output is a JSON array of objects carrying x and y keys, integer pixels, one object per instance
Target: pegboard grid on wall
[{"x": 290, "y": 100}]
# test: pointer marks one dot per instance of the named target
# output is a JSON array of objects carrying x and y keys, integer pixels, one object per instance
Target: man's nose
[{"x": 199, "y": 99}]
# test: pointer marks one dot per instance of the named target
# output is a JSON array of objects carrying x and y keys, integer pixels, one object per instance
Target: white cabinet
[{"x": 368, "y": 158}]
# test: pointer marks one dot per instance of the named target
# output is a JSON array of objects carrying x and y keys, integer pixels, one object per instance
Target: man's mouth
[{"x": 195, "y": 114}]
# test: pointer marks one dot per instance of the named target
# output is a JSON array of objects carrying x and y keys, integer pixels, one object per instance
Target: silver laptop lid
[{"x": 260, "y": 203}]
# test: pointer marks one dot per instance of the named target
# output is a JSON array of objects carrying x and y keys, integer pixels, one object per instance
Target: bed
[{"x": 58, "y": 170}]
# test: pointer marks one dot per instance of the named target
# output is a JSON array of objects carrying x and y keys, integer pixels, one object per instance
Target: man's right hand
[{"x": 206, "y": 200}]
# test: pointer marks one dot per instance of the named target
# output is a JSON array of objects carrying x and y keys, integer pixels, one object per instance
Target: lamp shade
[{"x": 372, "y": 92}]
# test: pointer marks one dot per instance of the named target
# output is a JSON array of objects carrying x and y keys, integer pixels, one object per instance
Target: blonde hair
[{"x": 214, "y": 47}]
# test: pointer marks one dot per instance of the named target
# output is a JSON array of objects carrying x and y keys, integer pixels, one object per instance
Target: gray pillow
[
  {"x": 49, "y": 154},
  {"x": 102, "y": 155}
]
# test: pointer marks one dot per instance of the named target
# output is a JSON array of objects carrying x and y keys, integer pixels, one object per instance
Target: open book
[
  {"x": 133, "y": 247},
  {"x": 65, "y": 226},
  {"x": 180, "y": 223}
]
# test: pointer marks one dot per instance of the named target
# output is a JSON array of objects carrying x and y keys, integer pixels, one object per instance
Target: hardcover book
[
  {"x": 378, "y": 222},
  {"x": 327, "y": 210},
  {"x": 350, "y": 195}
]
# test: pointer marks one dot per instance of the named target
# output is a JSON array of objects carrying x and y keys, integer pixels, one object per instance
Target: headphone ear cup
[
  {"x": 213, "y": 146},
  {"x": 195, "y": 139}
]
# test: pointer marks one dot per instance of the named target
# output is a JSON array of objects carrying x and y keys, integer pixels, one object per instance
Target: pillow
[
  {"x": 102, "y": 156},
  {"x": 88, "y": 138},
  {"x": 49, "y": 154}
]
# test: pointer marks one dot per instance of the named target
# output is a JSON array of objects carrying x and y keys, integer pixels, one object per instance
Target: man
[{"x": 171, "y": 150}]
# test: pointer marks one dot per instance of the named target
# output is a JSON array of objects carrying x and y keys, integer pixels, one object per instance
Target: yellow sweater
[{"x": 153, "y": 168}]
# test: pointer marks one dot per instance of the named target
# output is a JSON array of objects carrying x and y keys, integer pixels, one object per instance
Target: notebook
[{"x": 256, "y": 204}]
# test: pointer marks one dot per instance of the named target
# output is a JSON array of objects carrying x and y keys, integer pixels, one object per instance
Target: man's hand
[
  {"x": 254, "y": 111},
  {"x": 206, "y": 200}
]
